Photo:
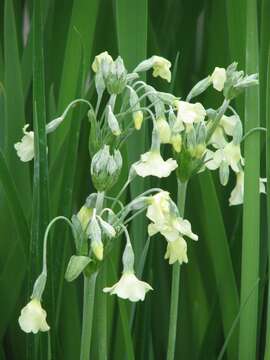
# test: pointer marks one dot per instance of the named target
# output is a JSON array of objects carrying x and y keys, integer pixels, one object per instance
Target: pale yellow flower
[
  {"x": 33, "y": 318},
  {"x": 190, "y": 113},
  {"x": 129, "y": 287},
  {"x": 151, "y": 163},
  {"x": 104, "y": 56},
  {"x": 176, "y": 251},
  {"x": 218, "y": 78},
  {"x": 161, "y": 67}
]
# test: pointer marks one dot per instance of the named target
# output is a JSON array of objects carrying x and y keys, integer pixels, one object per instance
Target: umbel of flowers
[{"x": 199, "y": 139}]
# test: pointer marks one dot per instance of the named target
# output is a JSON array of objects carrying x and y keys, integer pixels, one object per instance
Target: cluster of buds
[{"x": 199, "y": 138}]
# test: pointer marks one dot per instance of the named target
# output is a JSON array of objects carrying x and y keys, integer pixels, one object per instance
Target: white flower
[
  {"x": 159, "y": 207},
  {"x": 237, "y": 194},
  {"x": 190, "y": 113},
  {"x": 104, "y": 56},
  {"x": 218, "y": 78},
  {"x": 177, "y": 251},
  {"x": 25, "y": 148},
  {"x": 129, "y": 287},
  {"x": 164, "y": 130},
  {"x": 33, "y": 318},
  {"x": 151, "y": 163},
  {"x": 161, "y": 67},
  {"x": 218, "y": 139},
  {"x": 228, "y": 123},
  {"x": 230, "y": 155}
]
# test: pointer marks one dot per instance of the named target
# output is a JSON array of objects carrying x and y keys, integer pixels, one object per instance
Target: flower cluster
[{"x": 198, "y": 138}]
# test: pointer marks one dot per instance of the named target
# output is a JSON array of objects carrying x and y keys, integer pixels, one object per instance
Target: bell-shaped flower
[
  {"x": 190, "y": 113},
  {"x": 33, "y": 318},
  {"x": 237, "y": 194},
  {"x": 228, "y": 123},
  {"x": 129, "y": 287},
  {"x": 161, "y": 67},
  {"x": 176, "y": 251},
  {"x": 25, "y": 148},
  {"x": 230, "y": 155},
  {"x": 218, "y": 78},
  {"x": 152, "y": 163},
  {"x": 102, "y": 57},
  {"x": 159, "y": 207}
]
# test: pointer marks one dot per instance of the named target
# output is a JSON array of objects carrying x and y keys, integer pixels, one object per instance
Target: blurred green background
[{"x": 196, "y": 36}]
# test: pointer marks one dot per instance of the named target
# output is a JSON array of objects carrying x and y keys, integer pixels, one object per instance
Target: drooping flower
[
  {"x": 228, "y": 123},
  {"x": 104, "y": 56},
  {"x": 161, "y": 67},
  {"x": 218, "y": 78},
  {"x": 190, "y": 113},
  {"x": 129, "y": 287},
  {"x": 161, "y": 211},
  {"x": 176, "y": 251},
  {"x": 230, "y": 155},
  {"x": 151, "y": 163},
  {"x": 237, "y": 194},
  {"x": 159, "y": 207},
  {"x": 33, "y": 318},
  {"x": 25, "y": 148}
]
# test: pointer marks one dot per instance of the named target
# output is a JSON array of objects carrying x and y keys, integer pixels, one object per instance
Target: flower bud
[
  {"x": 199, "y": 88},
  {"x": 113, "y": 123},
  {"x": 164, "y": 130},
  {"x": 116, "y": 80},
  {"x": 102, "y": 57},
  {"x": 84, "y": 216},
  {"x": 218, "y": 78},
  {"x": 94, "y": 232},
  {"x": 176, "y": 141},
  {"x": 76, "y": 266},
  {"x": 106, "y": 168},
  {"x": 138, "y": 119}
]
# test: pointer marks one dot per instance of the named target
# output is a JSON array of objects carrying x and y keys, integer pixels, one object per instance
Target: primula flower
[
  {"x": 190, "y": 113},
  {"x": 218, "y": 78},
  {"x": 230, "y": 155},
  {"x": 151, "y": 163},
  {"x": 176, "y": 251},
  {"x": 104, "y": 56},
  {"x": 237, "y": 194},
  {"x": 159, "y": 207},
  {"x": 33, "y": 318},
  {"x": 228, "y": 123},
  {"x": 161, "y": 67},
  {"x": 129, "y": 287},
  {"x": 25, "y": 148}
]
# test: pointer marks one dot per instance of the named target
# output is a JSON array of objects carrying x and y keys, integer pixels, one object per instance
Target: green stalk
[
  {"x": 88, "y": 310},
  {"x": 181, "y": 197},
  {"x": 251, "y": 211},
  {"x": 88, "y": 302},
  {"x": 267, "y": 346}
]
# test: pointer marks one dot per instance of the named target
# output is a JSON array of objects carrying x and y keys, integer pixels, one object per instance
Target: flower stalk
[{"x": 181, "y": 198}]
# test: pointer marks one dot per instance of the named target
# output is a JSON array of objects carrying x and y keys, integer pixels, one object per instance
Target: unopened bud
[
  {"x": 116, "y": 80},
  {"x": 113, "y": 123}
]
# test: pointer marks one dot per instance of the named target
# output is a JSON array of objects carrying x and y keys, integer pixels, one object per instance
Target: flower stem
[
  {"x": 181, "y": 197},
  {"x": 88, "y": 307}
]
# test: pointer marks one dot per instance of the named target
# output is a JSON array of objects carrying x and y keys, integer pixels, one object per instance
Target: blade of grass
[
  {"x": 251, "y": 211},
  {"x": 40, "y": 213},
  {"x": 218, "y": 246},
  {"x": 267, "y": 346}
]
